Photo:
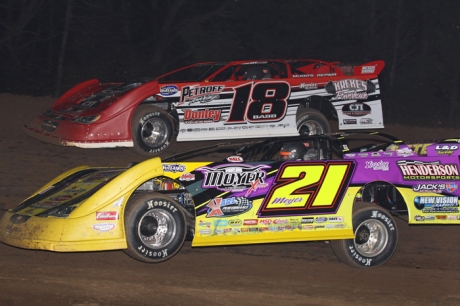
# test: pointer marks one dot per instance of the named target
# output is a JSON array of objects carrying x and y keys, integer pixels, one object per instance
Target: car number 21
[{"x": 302, "y": 188}]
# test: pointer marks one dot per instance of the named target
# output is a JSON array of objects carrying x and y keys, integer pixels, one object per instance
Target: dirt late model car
[
  {"x": 212, "y": 101},
  {"x": 257, "y": 194}
]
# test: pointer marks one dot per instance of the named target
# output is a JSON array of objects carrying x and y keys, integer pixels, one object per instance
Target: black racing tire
[
  {"x": 312, "y": 122},
  {"x": 376, "y": 238},
  {"x": 152, "y": 130},
  {"x": 155, "y": 227}
]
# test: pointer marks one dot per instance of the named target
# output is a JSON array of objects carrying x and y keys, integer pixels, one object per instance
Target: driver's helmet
[
  {"x": 298, "y": 150},
  {"x": 256, "y": 72}
]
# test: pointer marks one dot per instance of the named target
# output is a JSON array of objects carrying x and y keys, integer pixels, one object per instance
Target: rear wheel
[
  {"x": 376, "y": 238},
  {"x": 312, "y": 122},
  {"x": 155, "y": 227},
  {"x": 152, "y": 130}
]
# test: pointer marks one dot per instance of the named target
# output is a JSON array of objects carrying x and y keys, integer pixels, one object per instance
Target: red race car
[{"x": 215, "y": 100}]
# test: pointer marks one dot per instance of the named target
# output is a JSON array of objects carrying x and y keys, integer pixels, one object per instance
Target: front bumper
[{"x": 55, "y": 234}]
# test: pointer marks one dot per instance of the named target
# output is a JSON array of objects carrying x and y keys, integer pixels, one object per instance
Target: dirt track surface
[{"x": 425, "y": 269}]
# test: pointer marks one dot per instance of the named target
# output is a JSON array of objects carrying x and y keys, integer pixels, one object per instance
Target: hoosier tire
[
  {"x": 152, "y": 130},
  {"x": 155, "y": 227},
  {"x": 312, "y": 122},
  {"x": 376, "y": 238}
]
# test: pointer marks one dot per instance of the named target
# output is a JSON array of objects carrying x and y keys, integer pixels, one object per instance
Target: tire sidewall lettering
[
  {"x": 152, "y": 204},
  {"x": 148, "y": 116},
  {"x": 152, "y": 254},
  {"x": 366, "y": 261}
]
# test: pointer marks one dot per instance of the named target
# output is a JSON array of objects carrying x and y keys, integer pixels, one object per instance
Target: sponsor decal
[
  {"x": 107, "y": 215},
  {"x": 204, "y": 223},
  {"x": 320, "y": 219},
  {"x": 307, "y": 227},
  {"x": 235, "y": 159},
  {"x": 451, "y": 217},
  {"x": 436, "y": 204},
  {"x": 418, "y": 170},
  {"x": 103, "y": 227},
  {"x": 168, "y": 90},
  {"x": 285, "y": 201},
  {"x": 152, "y": 204},
  {"x": 191, "y": 92},
  {"x": 436, "y": 188},
  {"x": 350, "y": 89},
  {"x": 220, "y": 223},
  {"x": 187, "y": 177},
  {"x": 218, "y": 231},
  {"x": 253, "y": 229},
  {"x": 419, "y": 218},
  {"x": 16, "y": 218},
  {"x": 336, "y": 219},
  {"x": 366, "y": 121},
  {"x": 280, "y": 221},
  {"x": 441, "y": 217},
  {"x": 174, "y": 168},
  {"x": 319, "y": 226},
  {"x": 219, "y": 207},
  {"x": 235, "y": 222},
  {"x": 119, "y": 202},
  {"x": 446, "y": 149},
  {"x": 234, "y": 177},
  {"x": 250, "y": 222},
  {"x": 273, "y": 228},
  {"x": 356, "y": 109},
  {"x": 201, "y": 116},
  {"x": 203, "y": 99},
  {"x": 429, "y": 218},
  {"x": 329, "y": 226},
  {"x": 205, "y": 232},
  {"x": 307, "y": 220},
  {"x": 263, "y": 229},
  {"x": 244, "y": 230},
  {"x": 367, "y": 69},
  {"x": 405, "y": 152},
  {"x": 377, "y": 166},
  {"x": 308, "y": 86},
  {"x": 265, "y": 221},
  {"x": 350, "y": 121},
  {"x": 339, "y": 225},
  {"x": 303, "y": 75}
]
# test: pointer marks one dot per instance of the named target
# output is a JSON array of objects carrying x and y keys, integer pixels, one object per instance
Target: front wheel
[
  {"x": 155, "y": 227},
  {"x": 152, "y": 130},
  {"x": 312, "y": 122},
  {"x": 376, "y": 238}
]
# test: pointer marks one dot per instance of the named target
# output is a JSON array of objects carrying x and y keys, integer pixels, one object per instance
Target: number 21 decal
[
  {"x": 306, "y": 188},
  {"x": 260, "y": 102}
]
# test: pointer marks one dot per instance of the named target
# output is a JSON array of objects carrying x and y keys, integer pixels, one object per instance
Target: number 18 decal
[
  {"x": 260, "y": 102},
  {"x": 303, "y": 188}
]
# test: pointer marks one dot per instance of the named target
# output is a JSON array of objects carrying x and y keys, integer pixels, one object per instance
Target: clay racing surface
[{"x": 425, "y": 269}]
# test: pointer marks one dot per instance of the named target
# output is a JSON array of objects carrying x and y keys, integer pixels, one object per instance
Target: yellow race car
[{"x": 266, "y": 192}]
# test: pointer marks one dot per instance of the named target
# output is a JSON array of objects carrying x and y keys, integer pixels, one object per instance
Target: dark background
[{"x": 48, "y": 46}]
